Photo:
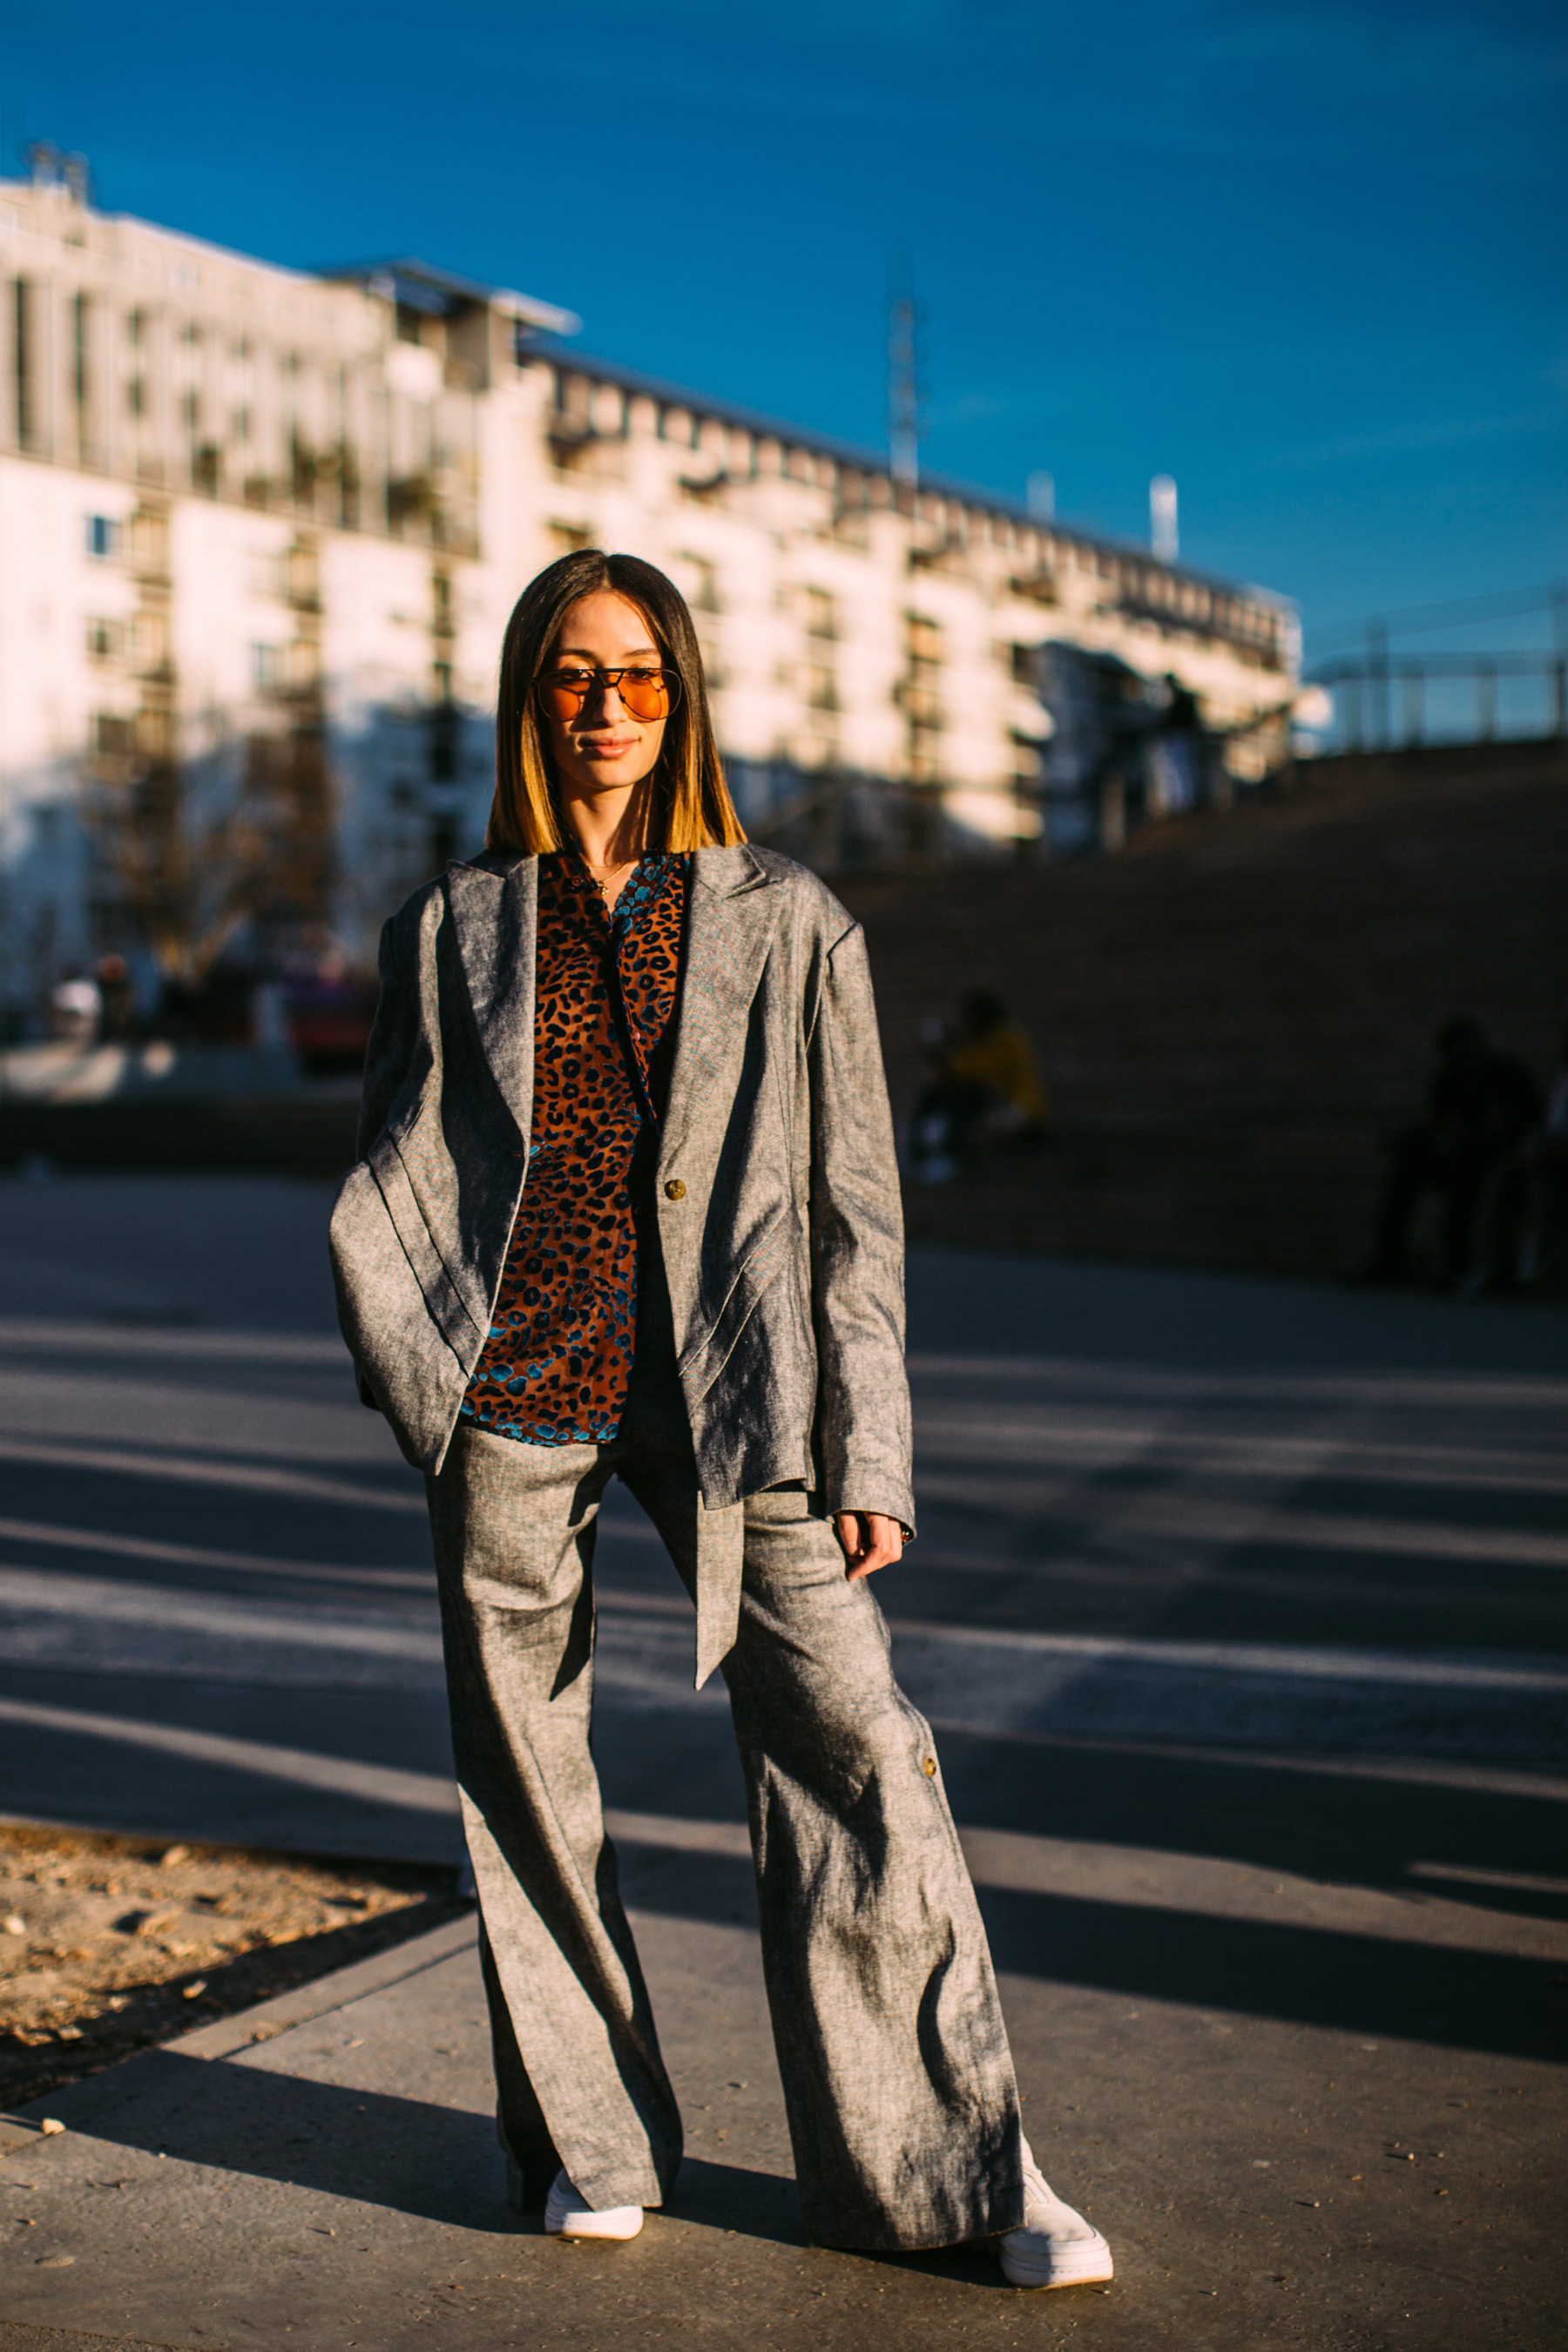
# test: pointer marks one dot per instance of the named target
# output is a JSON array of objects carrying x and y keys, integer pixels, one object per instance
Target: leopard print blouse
[{"x": 555, "y": 1368}]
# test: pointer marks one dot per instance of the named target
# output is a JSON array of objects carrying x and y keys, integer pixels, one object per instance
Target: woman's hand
[{"x": 870, "y": 1541}]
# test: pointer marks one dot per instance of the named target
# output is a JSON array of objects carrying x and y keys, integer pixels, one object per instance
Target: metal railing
[
  {"x": 1384, "y": 699},
  {"x": 1368, "y": 690}
]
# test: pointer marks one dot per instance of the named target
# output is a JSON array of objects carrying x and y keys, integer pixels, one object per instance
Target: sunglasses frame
[{"x": 606, "y": 679}]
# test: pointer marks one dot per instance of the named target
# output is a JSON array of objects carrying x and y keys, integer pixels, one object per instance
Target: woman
[{"x": 627, "y": 1207}]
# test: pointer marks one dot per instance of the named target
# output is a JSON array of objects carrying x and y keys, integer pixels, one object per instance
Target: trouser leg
[
  {"x": 898, "y": 2083},
  {"x": 578, "y": 2068},
  {"x": 521, "y": 2125}
]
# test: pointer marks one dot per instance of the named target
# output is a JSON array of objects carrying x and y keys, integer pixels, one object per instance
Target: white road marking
[
  {"x": 177, "y": 1555},
  {"x": 191, "y": 1470},
  {"x": 340, "y": 1776},
  {"x": 1156, "y": 1879}
]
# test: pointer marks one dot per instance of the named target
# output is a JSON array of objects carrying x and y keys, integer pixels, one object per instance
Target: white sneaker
[
  {"x": 567, "y": 2215},
  {"x": 1052, "y": 2246}
]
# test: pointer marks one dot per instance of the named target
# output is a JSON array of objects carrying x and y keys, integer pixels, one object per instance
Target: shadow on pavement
[
  {"x": 1306, "y": 1976},
  {"x": 407, "y": 2156},
  {"x": 1316, "y": 1818},
  {"x": 1363, "y": 1984},
  {"x": 410, "y": 2155}
]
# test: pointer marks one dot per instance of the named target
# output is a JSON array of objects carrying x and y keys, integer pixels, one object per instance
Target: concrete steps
[{"x": 1233, "y": 1014}]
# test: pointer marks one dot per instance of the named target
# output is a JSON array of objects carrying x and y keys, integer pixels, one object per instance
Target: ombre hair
[{"x": 691, "y": 807}]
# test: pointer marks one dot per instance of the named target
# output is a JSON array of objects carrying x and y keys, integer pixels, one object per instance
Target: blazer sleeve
[
  {"x": 387, "y": 1061},
  {"x": 392, "y": 1042},
  {"x": 857, "y": 1251}
]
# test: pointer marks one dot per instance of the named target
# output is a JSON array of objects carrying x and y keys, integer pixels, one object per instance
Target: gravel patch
[{"x": 111, "y": 1944}]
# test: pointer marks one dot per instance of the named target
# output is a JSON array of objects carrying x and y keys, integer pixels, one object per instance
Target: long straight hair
[{"x": 691, "y": 805}]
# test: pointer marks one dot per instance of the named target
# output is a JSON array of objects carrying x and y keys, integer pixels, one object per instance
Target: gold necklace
[{"x": 601, "y": 878}]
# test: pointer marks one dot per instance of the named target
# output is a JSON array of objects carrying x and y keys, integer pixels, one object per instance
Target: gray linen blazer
[{"x": 777, "y": 1190}]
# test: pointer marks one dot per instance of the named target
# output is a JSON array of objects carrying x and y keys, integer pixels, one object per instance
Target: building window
[
  {"x": 1027, "y": 760},
  {"x": 567, "y": 538},
  {"x": 267, "y": 667},
  {"x": 149, "y": 543},
  {"x": 81, "y": 311},
  {"x": 821, "y": 614},
  {"x": 154, "y": 734},
  {"x": 22, "y": 358},
  {"x": 103, "y": 640},
  {"x": 102, "y": 535},
  {"x": 111, "y": 736},
  {"x": 150, "y": 641},
  {"x": 300, "y": 576},
  {"x": 821, "y": 691},
  {"x": 702, "y": 573},
  {"x": 921, "y": 695}
]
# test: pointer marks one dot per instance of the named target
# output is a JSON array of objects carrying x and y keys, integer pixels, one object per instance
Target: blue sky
[{"x": 1307, "y": 258}]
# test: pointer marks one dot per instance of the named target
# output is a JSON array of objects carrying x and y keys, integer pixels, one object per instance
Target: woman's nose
[{"x": 603, "y": 704}]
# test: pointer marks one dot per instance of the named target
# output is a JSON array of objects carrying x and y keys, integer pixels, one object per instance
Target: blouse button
[{"x": 674, "y": 1190}]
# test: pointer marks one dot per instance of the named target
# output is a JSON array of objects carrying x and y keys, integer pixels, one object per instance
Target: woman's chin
[{"x": 610, "y": 775}]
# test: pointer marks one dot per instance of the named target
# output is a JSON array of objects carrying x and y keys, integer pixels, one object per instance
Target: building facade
[{"x": 260, "y": 533}]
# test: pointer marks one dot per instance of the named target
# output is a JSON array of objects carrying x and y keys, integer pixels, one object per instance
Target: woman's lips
[{"x": 607, "y": 746}]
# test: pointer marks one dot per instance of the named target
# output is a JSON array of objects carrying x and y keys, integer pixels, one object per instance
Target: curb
[{"x": 77, "y": 2106}]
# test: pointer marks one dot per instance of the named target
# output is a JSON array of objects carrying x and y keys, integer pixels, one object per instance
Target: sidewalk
[
  {"x": 322, "y": 2171},
  {"x": 1240, "y": 1612}
]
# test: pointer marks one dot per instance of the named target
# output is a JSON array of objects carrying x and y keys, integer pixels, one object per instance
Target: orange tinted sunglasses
[{"x": 646, "y": 694}]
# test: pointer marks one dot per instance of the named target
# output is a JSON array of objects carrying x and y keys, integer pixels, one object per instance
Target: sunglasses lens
[
  {"x": 563, "y": 692},
  {"x": 645, "y": 693}
]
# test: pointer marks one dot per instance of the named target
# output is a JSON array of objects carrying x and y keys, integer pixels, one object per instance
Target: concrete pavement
[{"x": 1239, "y": 1607}]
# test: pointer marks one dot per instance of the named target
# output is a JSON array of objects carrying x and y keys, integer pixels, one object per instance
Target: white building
[{"x": 260, "y": 533}]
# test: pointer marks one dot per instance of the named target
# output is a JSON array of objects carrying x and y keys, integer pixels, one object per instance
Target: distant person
[
  {"x": 1481, "y": 1104},
  {"x": 1177, "y": 749},
  {"x": 628, "y": 1208},
  {"x": 76, "y": 1009},
  {"x": 117, "y": 991},
  {"x": 984, "y": 1088}
]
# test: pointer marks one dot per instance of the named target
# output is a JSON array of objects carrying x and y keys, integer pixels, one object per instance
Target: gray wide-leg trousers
[{"x": 903, "y": 2112}]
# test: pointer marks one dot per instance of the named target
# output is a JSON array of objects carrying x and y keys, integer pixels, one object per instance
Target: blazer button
[{"x": 674, "y": 1190}]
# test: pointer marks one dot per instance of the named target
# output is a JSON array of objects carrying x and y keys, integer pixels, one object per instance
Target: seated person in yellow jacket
[{"x": 984, "y": 1088}]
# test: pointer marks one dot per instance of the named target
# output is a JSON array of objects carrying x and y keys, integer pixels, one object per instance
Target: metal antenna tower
[{"x": 904, "y": 424}]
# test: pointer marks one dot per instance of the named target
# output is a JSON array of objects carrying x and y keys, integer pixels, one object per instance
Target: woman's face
[{"x": 602, "y": 746}]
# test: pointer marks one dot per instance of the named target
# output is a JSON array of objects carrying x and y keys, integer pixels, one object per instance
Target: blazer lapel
[
  {"x": 495, "y": 916},
  {"x": 729, "y": 930}
]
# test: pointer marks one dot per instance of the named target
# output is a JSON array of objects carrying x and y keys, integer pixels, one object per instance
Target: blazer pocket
[
  {"x": 442, "y": 1294},
  {"x": 705, "y": 1359}
]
